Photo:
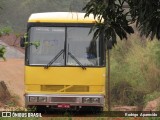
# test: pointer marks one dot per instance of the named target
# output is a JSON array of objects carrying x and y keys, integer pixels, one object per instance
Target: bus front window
[
  {"x": 76, "y": 44},
  {"x": 51, "y": 40},
  {"x": 81, "y": 45}
]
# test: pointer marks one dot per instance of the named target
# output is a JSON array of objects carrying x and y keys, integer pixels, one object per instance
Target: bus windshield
[{"x": 76, "y": 42}]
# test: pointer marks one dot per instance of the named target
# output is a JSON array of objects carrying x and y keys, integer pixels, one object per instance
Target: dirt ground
[
  {"x": 12, "y": 73},
  {"x": 12, "y": 70},
  {"x": 13, "y": 41}
]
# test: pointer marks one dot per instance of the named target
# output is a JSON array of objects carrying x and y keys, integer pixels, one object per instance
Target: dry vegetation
[{"x": 135, "y": 71}]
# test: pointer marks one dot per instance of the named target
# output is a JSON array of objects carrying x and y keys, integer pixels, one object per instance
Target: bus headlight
[
  {"x": 90, "y": 100},
  {"x": 32, "y": 99},
  {"x": 95, "y": 100},
  {"x": 42, "y": 99},
  {"x": 86, "y": 100}
]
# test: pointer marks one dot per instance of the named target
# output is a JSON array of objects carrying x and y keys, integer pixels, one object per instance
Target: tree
[
  {"x": 113, "y": 21},
  {"x": 145, "y": 13}
]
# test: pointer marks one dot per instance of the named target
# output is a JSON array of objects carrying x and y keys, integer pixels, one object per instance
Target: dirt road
[{"x": 12, "y": 72}]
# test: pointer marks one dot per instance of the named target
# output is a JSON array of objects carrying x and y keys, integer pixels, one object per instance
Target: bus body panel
[
  {"x": 61, "y": 17},
  {"x": 38, "y": 79}
]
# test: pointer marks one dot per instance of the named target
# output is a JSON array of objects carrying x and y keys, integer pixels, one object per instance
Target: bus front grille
[
  {"x": 63, "y": 99},
  {"x": 65, "y": 88}
]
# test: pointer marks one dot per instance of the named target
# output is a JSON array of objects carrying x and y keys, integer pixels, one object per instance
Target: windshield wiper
[
  {"x": 72, "y": 56},
  {"x": 54, "y": 59}
]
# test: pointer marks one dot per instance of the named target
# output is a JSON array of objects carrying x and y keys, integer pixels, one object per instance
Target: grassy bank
[{"x": 135, "y": 71}]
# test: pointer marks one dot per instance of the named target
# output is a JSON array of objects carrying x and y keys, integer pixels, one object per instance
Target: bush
[
  {"x": 124, "y": 94},
  {"x": 2, "y": 52},
  {"x": 5, "y": 30},
  {"x": 135, "y": 71}
]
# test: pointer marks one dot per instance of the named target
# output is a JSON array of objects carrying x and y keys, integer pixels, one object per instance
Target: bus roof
[{"x": 61, "y": 17}]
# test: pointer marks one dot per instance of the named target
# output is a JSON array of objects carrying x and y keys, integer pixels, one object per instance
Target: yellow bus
[{"x": 67, "y": 70}]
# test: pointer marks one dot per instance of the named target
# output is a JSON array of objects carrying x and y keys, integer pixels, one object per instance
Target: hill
[{"x": 14, "y": 13}]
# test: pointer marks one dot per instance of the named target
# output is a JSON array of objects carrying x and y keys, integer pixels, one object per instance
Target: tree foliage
[
  {"x": 115, "y": 21},
  {"x": 146, "y": 14}
]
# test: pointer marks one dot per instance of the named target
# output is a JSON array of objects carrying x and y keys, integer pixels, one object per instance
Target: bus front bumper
[{"x": 64, "y": 101}]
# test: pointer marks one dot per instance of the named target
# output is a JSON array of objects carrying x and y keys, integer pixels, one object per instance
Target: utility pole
[
  {"x": 108, "y": 76},
  {"x": 109, "y": 47}
]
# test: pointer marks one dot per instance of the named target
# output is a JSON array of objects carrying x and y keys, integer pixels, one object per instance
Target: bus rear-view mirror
[{"x": 22, "y": 42}]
